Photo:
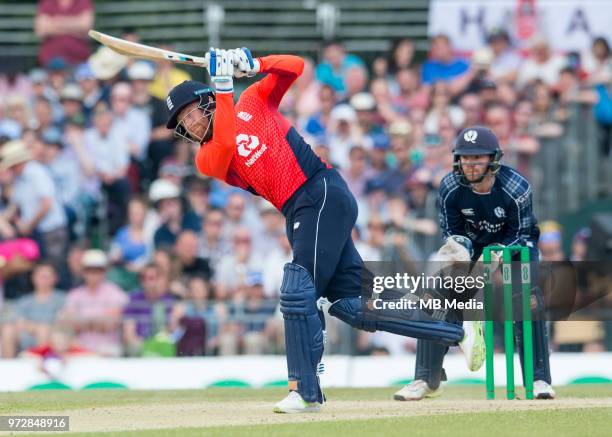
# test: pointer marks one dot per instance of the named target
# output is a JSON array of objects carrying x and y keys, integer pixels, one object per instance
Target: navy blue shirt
[{"x": 502, "y": 216}]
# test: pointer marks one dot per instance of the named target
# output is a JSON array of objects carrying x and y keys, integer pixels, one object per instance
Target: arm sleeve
[
  {"x": 520, "y": 219},
  {"x": 282, "y": 71},
  {"x": 451, "y": 220},
  {"x": 214, "y": 158}
]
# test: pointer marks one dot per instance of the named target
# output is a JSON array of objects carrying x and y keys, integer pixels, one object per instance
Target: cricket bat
[{"x": 136, "y": 50}]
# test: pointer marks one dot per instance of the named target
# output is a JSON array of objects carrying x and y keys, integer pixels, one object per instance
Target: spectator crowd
[{"x": 111, "y": 243}]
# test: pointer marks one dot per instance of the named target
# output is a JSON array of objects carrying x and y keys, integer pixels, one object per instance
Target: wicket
[{"x": 508, "y": 319}]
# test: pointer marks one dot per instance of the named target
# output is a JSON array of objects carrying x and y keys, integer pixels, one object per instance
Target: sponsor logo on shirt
[
  {"x": 247, "y": 144},
  {"x": 467, "y": 211},
  {"x": 244, "y": 116}
]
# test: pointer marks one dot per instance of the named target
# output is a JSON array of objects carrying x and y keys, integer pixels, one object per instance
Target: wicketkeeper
[
  {"x": 252, "y": 146},
  {"x": 483, "y": 203}
]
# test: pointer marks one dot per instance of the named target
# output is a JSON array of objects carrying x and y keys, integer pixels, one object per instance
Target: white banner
[
  {"x": 569, "y": 25},
  {"x": 263, "y": 371}
]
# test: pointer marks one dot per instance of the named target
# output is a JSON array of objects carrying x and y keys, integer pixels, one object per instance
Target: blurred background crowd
[{"x": 111, "y": 243}]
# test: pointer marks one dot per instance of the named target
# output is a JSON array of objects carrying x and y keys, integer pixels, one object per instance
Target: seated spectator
[
  {"x": 317, "y": 124},
  {"x": 273, "y": 224},
  {"x": 355, "y": 82},
  {"x": 400, "y": 57},
  {"x": 198, "y": 190},
  {"x": 63, "y": 25},
  {"x": 395, "y": 177},
  {"x": 64, "y": 169},
  {"x": 441, "y": 106},
  {"x": 597, "y": 63},
  {"x": 94, "y": 309},
  {"x": 256, "y": 312},
  {"x": 168, "y": 204},
  {"x": 332, "y": 70},
  {"x": 129, "y": 247},
  {"x": 544, "y": 115},
  {"x": 239, "y": 215},
  {"x": 34, "y": 313},
  {"x": 343, "y": 134},
  {"x": 358, "y": 171},
  {"x": 93, "y": 92},
  {"x": 409, "y": 93},
  {"x": 442, "y": 64},
  {"x": 20, "y": 114},
  {"x": 41, "y": 214},
  {"x": 550, "y": 242},
  {"x": 46, "y": 121},
  {"x": 541, "y": 64},
  {"x": 110, "y": 158},
  {"x": 506, "y": 60},
  {"x": 471, "y": 105},
  {"x": 234, "y": 267},
  {"x": 386, "y": 108},
  {"x": 187, "y": 260},
  {"x": 371, "y": 122},
  {"x": 518, "y": 148},
  {"x": 272, "y": 275},
  {"x": 134, "y": 124},
  {"x": 71, "y": 99},
  {"x": 198, "y": 317},
  {"x": 58, "y": 75},
  {"x": 213, "y": 244},
  {"x": 148, "y": 310}
]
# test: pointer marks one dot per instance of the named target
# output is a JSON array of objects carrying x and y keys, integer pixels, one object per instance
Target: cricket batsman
[
  {"x": 483, "y": 203},
  {"x": 252, "y": 146}
]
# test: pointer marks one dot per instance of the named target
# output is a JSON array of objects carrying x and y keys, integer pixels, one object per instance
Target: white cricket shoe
[
  {"x": 473, "y": 344},
  {"x": 294, "y": 403},
  {"x": 417, "y": 390},
  {"x": 543, "y": 390}
]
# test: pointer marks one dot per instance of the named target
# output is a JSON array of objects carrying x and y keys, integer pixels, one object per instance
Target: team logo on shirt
[
  {"x": 499, "y": 212},
  {"x": 247, "y": 144},
  {"x": 470, "y": 136},
  {"x": 467, "y": 211}
]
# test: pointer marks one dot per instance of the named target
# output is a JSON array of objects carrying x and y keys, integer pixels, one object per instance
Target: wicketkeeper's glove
[
  {"x": 221, "y": 69},
  {"x": 244, "y": 63}
]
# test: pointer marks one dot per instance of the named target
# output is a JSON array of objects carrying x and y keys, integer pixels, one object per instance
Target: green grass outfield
[{"x": 461, "y": 411}]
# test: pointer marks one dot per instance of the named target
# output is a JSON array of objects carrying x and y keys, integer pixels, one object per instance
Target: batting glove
[
  {"x": 244, "y": 63},
  {"x": 221, "y": 69}
]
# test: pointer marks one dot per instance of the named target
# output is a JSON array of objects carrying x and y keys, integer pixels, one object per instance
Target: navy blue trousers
[{"x": 319, "y": 219}]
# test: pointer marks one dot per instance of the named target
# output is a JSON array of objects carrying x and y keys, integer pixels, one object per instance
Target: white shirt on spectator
[
  {"x": 233, "y": 274},
  {"x": 66, "y": 174},
  {"x": 505, "y": 63},
  {"x": 136, "y": 126},
  {"x": 547, "y": 72},
  {"x": 30, "y": 188},
  {"x": 110, "y": 153},
  {"x": 272, "y": 273}
]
